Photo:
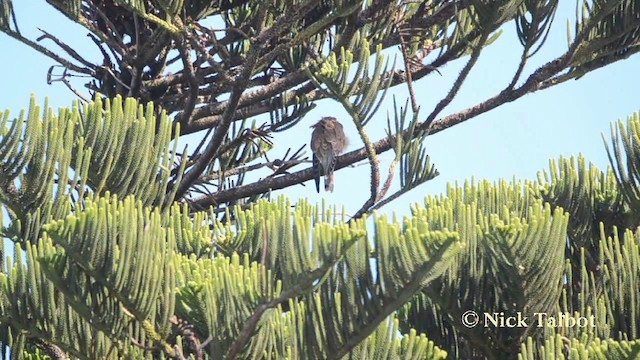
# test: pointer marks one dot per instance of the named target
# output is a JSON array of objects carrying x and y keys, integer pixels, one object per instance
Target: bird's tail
[{"x": 328, "y": 182}]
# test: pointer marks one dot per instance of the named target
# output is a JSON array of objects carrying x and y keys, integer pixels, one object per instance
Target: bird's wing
[
  {"x": 316, "y": 140},
  {"x": 337, "y": 138},
  {"x": 316, "y": 172}
]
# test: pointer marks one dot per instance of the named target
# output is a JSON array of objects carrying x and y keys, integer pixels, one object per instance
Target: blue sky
[{"x": 517, "y": 139}]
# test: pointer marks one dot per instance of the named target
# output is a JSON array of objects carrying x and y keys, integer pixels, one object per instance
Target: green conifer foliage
[{"x": 107, "y": 252}]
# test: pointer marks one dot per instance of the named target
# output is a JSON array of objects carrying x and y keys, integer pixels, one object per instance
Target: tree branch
[
  {"x": 187, "y": 64},
  {"x": 43, "y": 50},
  {"x": 460, "y": 80},
  {"x": 532, "y": 84},
  {"x": 51, "y": 349}
]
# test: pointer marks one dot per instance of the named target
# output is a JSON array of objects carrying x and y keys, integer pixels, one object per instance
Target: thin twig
[
  {"x": 408, "y": 68},
  {"x": 224, "y": 77},
  {"x": 68, "y": 49},
  {"x": 414, "y": 107},
  {"x": 75, "y": 91},
  {"x": 116, "y": 78},
  {"x": 13, "y": 17},
  {"x": 387, "y": 183},
  {"x": 107, "y": 58},
  {"x": 235, "y": 30},
  {"x": 113, "y": 46},
  {"x": 194, "y": 85},
  {"x": 460, "y": 80},
  {"x": 43, "y": 50},
  {"x": 248, "y": 168},
  {"x": 375, "y": 173},
  {"x": 110, "y": 26},
  {"x": 137, "y": 344}
]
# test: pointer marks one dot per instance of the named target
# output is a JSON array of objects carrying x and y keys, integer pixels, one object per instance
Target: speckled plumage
[{"x": 327, "y": 142}]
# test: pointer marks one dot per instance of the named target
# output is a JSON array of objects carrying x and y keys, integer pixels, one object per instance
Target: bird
[{"x": 327, "y": 142}]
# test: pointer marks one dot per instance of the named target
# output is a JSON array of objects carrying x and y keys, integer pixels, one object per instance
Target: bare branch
[
  {"x": 43, "y": 50},
  {"x": 375, "y": 174},
  {"x": 68, "y": 49},
  {"x": 194, "y": 85},
  {"x": 52, "y": 350},
  {"x": 188, "y": 333}
]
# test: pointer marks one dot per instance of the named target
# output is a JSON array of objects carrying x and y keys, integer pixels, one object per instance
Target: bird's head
[{"x": 326, "y": 122}]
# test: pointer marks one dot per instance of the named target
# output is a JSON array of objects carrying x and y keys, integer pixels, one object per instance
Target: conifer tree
[{"x": 171, "y": 252}]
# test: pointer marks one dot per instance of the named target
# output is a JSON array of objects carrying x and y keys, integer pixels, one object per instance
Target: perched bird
[{"x": 327, "y": 142}]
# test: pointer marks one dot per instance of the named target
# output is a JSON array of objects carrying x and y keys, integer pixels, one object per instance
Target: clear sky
[{"x": 517, "y": 139}]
